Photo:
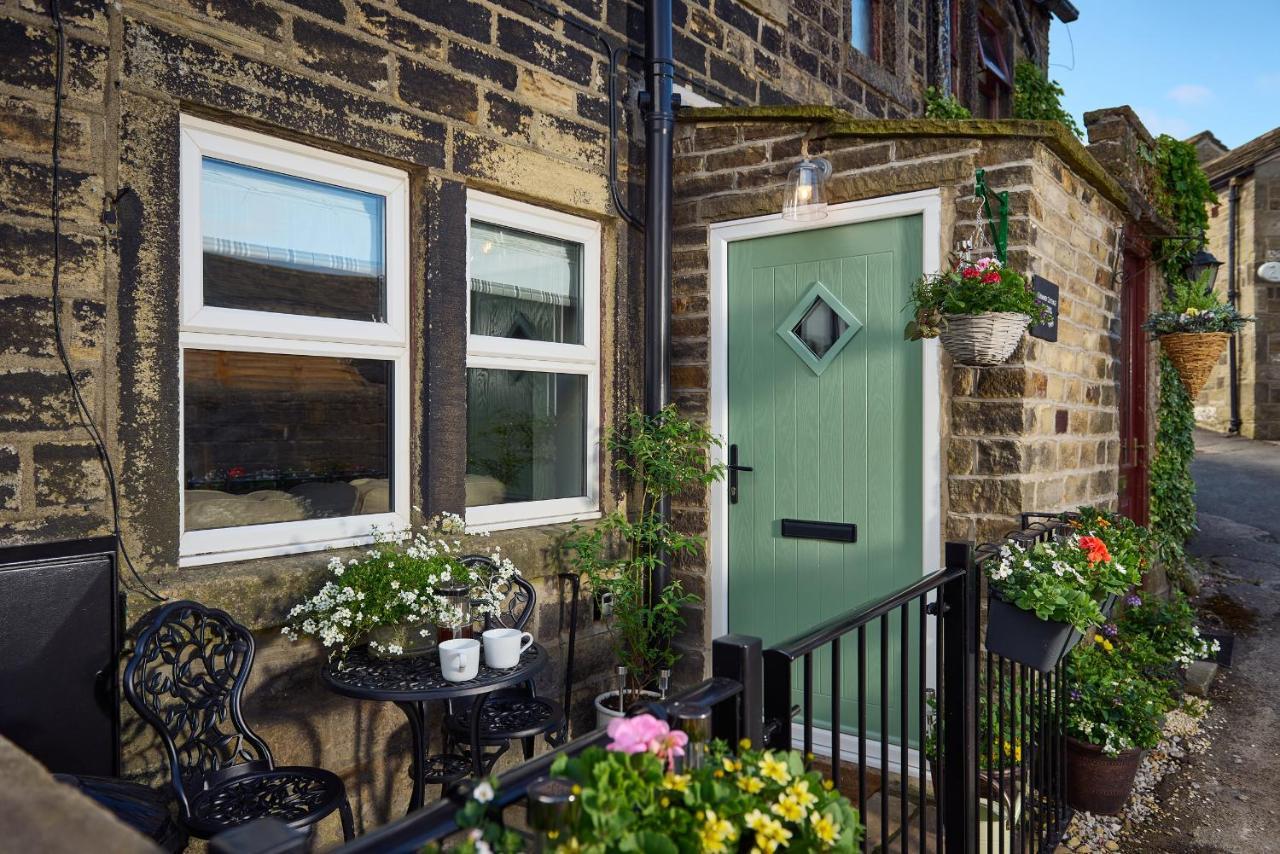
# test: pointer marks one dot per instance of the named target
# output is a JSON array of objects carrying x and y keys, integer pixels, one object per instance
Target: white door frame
[{"x": 926, "y": 203}]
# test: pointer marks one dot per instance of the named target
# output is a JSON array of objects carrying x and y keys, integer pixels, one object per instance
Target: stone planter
[
  {"x": 1096, "y": 782},
  {"x": 982, "y": 339},
  {"x": 1023, "y": 637},
  {"x": 607, "y": 705},
  {"x": 410, "y": 638}
]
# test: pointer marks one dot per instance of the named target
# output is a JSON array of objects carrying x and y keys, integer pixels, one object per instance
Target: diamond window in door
[{"x": 818, "y": 328}]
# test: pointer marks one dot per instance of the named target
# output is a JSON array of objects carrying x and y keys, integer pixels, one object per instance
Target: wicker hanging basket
[
  {"x": 983, "y": 339},
  {"x": 1194, "y": 355}
]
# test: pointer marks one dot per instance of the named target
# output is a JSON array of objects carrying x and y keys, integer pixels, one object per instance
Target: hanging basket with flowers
[
  {"x": 979, "y": 309},
  {"x": 1193, "y": 330}
]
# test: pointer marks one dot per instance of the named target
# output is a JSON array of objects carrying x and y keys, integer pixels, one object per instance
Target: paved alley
[{"x": 1225, "y": 800}]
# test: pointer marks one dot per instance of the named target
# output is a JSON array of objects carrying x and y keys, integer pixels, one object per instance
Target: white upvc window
[
  {"x": 294, "y": 354},
  {"x": 533, "y": 365}
]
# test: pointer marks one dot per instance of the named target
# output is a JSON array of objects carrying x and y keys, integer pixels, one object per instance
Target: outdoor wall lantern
[
  {"x": 806, "y": 195},
  {"x": 1203, "y": 262}
]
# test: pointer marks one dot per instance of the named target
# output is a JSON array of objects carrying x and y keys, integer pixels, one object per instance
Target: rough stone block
[
  {"x": 1199, "y": 677},
  {"x": 68, "y": 475},
  {"x": 402, "y": 32},
  {"x": 483, "y": 64},
  {"x": 32, "y": 399},
  {"x": 25, "y": 188},
  {"x": 329, "y": 51},
  {"x": 257, "y": 17},
  {"x": 438, "y": 92},
  {"x": 544, "y": 51},
  {"x": 10, "y": 478},
  {"x": 26, "y": 325}
]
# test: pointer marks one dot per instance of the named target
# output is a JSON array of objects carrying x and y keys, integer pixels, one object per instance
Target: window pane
[
  {"x": 525, "y": 285},
  {"x": 860, "y": 30},
  {"x": 526, "y": 436},
  {"x": 277, "y": 243},
  {"x": 277, "y": 438}
]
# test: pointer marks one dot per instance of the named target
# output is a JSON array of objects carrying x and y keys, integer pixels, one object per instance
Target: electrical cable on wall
[{"x": 86, "y": 416}]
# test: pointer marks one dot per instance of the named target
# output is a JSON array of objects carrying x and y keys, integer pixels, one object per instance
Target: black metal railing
[{"x": 980, "y": 736}]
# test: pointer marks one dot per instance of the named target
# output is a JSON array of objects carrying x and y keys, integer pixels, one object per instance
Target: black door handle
[{"x": 733, "y": 469}]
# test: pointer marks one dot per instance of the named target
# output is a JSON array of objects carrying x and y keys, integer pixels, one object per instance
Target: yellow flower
[
  {"x": 1017, "y": 752},
  {"x": 788, "y": 808},
  {"x": 774, "y": 769},
  {"x": 730, "y": 765},
  {"x": 715, "y": 833},
  {"x": 745, "y": 744},
  {"x": 664, "y": 801},
  {"x": 799, "y": 790},
  {"x": 1107, "y": 645},
  {"x": 718, "y": 774},
  {"x": 676, "y": 782},
  {"x": 750, "y": 785},
  {"x": 824, "y": 828},
  {"x": 1192, "y": 312},
  {"x": 755, "y": 819},
  {"x": 828, "y": 785},
  {"x": 1098, "y": 638}
]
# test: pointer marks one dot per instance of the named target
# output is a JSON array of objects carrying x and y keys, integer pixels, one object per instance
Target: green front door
[{"x": 825, "y": 406}]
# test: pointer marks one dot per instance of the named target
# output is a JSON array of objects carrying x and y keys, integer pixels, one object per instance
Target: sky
[{"x": 1183, "y": 65}]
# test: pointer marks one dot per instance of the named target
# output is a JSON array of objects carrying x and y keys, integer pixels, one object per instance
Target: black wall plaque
[{"x": 1047, "y": 295}]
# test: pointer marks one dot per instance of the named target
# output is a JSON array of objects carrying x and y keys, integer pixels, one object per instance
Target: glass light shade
[
  {"x": 1203, "y": 261},
  {"x": 806, "y": 194}
]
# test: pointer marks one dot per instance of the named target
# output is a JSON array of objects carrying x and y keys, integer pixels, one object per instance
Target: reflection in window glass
[
  {"x": 277, "y": 243},
  {"x": 820, "y": 328},
  {"x": 860, "y": 26},
  {"x": 526, "y": 436},
  {"x": 269, "y": 437},
  {"x": 524, "y": 285}
]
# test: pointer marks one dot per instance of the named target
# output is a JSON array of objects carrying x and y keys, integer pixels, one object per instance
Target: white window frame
[
  {"x": 212, "y": 328},
  {"x": 485, "y": 351}
]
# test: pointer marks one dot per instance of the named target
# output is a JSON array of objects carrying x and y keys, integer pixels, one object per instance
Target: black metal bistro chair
[
  {"x": 518, "y": 713},
  {"x": 186, "y": 678}
]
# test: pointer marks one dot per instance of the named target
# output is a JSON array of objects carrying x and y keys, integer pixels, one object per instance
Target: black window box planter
[{"x": 1023, "y": 637}]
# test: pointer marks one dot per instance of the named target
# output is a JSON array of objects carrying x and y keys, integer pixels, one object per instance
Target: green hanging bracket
[{"x": 999, "y": 227}]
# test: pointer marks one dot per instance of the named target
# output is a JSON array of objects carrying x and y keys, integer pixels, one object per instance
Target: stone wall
[
  {"x": 1039, "y": 433},
  {"x": 1258, "y": 241}
]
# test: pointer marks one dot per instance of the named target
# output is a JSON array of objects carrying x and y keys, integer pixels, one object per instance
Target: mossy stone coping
[{"x": 841, "y": 123}]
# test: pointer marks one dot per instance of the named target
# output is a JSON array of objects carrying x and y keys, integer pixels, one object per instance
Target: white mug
[
  {"x": 502, "y": 647},
  {"x": 460, "y": 659}
]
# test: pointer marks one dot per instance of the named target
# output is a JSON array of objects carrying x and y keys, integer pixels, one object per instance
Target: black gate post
[
  {"x": 959, "y": 713},
  {"x": 737, "y": 657},
  {"x": 777, "y": 700}
]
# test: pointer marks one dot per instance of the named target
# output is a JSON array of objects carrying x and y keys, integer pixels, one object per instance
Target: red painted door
[{"x": 1135, "y": 451}]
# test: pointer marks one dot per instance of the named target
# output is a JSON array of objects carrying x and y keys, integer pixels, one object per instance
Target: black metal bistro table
[{"x": 413, "y": 682}]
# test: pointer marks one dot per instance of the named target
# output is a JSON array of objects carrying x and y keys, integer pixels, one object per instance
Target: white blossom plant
[{"x": 398, "y": 582}]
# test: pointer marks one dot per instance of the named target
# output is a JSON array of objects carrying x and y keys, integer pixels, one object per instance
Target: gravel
[{"x": 1185, "y": 733}]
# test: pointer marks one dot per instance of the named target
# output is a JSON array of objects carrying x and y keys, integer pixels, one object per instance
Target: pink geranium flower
[{"x": 647, "y": 734}]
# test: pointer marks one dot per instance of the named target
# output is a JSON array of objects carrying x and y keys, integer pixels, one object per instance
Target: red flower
[
  {"x": 990, "y": 277},
  {"x": 1096, "y": 549},
  {"x": 970, "y": 272}
]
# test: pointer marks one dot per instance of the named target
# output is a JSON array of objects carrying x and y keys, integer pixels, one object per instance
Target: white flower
[
  {"x": 395, "y": 585},
  {"x": 483, "y": 792}
]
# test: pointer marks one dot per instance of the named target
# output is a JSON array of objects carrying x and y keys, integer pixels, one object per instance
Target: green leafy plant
[
  {"x": 632, "y": 801},
  {"x": 1128, "y": 542},
  {"x": 665, "y": 455},
  {"x": 1163, "y": 632},
  {"x": 1035, "y": 96},
  {"x": 1112, "y": 701},
  {"x": 1182, "y": 194},
  {"x": 1194, "y": 307},
  {"x": 941, "y": 105},
  {"x": 1059, "y": 581},
  {"x": 972, "y": 287},
  {"x": 396, "y": 581}
]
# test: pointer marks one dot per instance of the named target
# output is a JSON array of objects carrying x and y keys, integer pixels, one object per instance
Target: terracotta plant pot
[
  {"x": 1194, "y": 356},
  {"x": 982, "y": 339},
  {"x": 1096, "y": 782},
  {"x": 1023, "y": 637}
]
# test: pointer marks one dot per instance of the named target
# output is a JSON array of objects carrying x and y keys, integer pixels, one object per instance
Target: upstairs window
[
  {"x": 533, "y": 364},
  {"x": 995, "y": 74},
  {"x": 293, "y": 346},
  {"x": 862, "y": 26}
]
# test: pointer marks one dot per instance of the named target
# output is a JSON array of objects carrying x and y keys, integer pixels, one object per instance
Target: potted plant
[
  {"x": 1128, "y": 544},
  {"x": 979, "y": 309},
  {"x": 395, "y": 594},
  {"x": 1193, "y": 330},
  {"x": 664, "y": 455},
  {"x": 1115, "y": 711},
  {"x": 1045, "y": 596},
  {"x": 1163, "y": 633}
]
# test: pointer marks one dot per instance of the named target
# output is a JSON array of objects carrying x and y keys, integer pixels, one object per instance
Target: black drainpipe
[
  {"x": 1233, "y": 369},
  {"x": 660, "y": 121}
]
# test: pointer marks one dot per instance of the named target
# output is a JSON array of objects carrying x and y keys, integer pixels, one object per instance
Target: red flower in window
[
  {"x": 1096, "y": 550},
  {"x": 236, "y": 471}
]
